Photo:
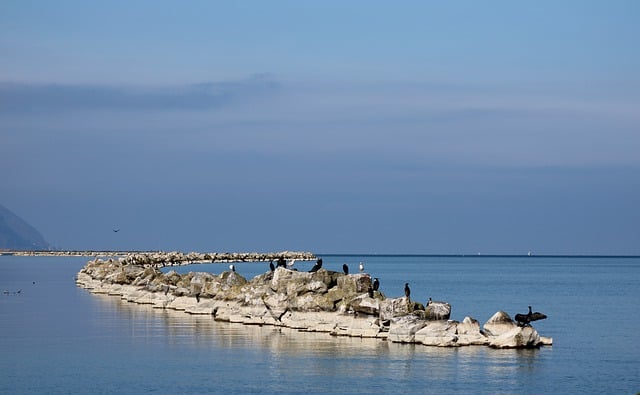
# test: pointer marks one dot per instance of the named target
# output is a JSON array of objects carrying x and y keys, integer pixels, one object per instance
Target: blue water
[{"x": 56, "y": 338}]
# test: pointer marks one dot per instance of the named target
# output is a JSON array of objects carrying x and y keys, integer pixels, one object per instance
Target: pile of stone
[
  {"x": 176, "y": 258},
  {"x": 321, "y": 301}
]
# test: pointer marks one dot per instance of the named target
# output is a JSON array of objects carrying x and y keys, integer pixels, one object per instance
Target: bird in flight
[{"x": 116, "y": 230}]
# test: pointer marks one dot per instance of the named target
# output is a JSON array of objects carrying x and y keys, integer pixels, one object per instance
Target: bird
[
  {"x": 198, "y": 297},
  {"x": 345, "y": 268},
  {"x": 271, "y": 266},
  {"x": 116, "y": 230},
  {"x": 361, "y": 267},
  {"x": 525, "y": 319},
  {"x": 291, "y": 263},
  {"x": 376, "y": 283},
  {"x": 429, "y": 301},
  {"x": 407, "y": 290},
  {"x": 317, "y": 266},
  {"x": 281, "y": 262},
  {"x": 232, "y": 268}
]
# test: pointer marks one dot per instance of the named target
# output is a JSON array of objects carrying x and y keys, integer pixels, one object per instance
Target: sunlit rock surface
[{"x": 321, "y": 301}]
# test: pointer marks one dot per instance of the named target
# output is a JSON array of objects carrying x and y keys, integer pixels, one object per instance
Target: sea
[{"x": 56, "y": 338}]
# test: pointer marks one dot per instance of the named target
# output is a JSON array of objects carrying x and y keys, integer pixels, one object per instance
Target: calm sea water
[{"x": 56, "y": 338}]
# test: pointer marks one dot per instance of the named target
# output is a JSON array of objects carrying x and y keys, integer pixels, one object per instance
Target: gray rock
[
  {"x": 517, "y": 337},
  {"x": 403, "y": 329},
  {"x": 437, "y": 311},
  {"x": 398, "y": 307},
  {"x": 438, "y": 333},
  {"x": 498, "y": 324}
]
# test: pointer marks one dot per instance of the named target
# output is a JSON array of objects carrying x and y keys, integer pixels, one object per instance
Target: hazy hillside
[{"x": 16, "y": 234}]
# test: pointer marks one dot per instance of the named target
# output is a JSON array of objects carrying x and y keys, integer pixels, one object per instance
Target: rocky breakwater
[{"x": 321, "y": 301}]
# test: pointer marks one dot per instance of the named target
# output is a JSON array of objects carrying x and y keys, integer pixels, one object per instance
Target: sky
[{"x": 413, "y": 127}]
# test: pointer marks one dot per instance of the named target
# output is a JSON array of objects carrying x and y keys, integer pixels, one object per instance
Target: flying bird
[{"x": 116, "y": 230}]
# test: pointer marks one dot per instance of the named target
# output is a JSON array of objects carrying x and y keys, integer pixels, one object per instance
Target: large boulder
[
  {"x": 397, "y": 307},
  {"x": 354, "y": 283},
  {"x": 469, "y": 332},
  {"x": 437, "y": 311},
  {"x": 498, "y": 324},
  {"x": 403, "y": 329},
  {"x": 438, "y": 333},
  {"x": 364, "y": 304},
  {"x": 517, "y": 337}
]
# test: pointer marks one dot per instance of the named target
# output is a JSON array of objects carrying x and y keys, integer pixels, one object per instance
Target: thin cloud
[{"x": 31, "y": 98}]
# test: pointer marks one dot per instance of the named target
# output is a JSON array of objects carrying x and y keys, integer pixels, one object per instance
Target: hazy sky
[{"x": 329, "y": 126}]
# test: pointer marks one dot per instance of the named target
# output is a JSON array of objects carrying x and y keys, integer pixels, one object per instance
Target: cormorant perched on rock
[
  {"x": 361, "y": 267},
  {"x": 525, "y": 319},
  {"x": 345, "y": 268},
  {"x": 198, "y": 297},
  {"x": 232, "y": 268},
  {"x": 376, "y": 283},
  {"x": 317, "y": 266},
  {"x": 271, "y": 266},
  {"x": 281, "y": 262},
  {"x": 407, "y": 290}
]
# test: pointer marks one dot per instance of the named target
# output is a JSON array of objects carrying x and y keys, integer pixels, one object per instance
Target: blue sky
[{"x": 417, "y": 127}]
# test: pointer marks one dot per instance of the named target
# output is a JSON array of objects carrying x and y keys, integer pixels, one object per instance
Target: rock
[
  {"x": 403, "y": 329},
  {"x": 498, "y": 324},
  {"x": 354, "y": 283},
  {"x": 391, "y": 308},
  {"x": 438, "y": 333},
  {"x": 517, "y": 337},
  {"x": 437, "y": 311},
  {"x": 469, "y": 333},
  {"x": 321, "y": 301},
  {"x": 366, "y": 305}
]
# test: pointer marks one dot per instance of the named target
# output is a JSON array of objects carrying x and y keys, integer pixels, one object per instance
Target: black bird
[
  {"x": 317, "y": 266},
  {"x": 271, "y": 266},
  {"x": 345, "y": 268},
  {"x": 525, "y": 319},
  {"x": 376, "y": 283},
  {"x": 232, "y": 268},
  {"x": 407, "y": 290},
  {"x": 281, "y": 262},
  {"x": 116, "y": 230},
  {"x": 198, "y": 297}
]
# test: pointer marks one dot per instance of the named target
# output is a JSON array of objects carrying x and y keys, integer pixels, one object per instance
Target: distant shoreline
[{"x": 97, "y": 253}]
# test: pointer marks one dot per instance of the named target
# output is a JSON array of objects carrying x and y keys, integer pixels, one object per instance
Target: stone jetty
[{"x": 320, "y": 301}]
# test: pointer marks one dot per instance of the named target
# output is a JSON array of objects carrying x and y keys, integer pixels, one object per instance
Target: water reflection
[{"x": 281, "y": 353}]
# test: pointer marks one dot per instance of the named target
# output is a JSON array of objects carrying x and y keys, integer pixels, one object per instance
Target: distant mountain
[{"x": 16, "y": 234}]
